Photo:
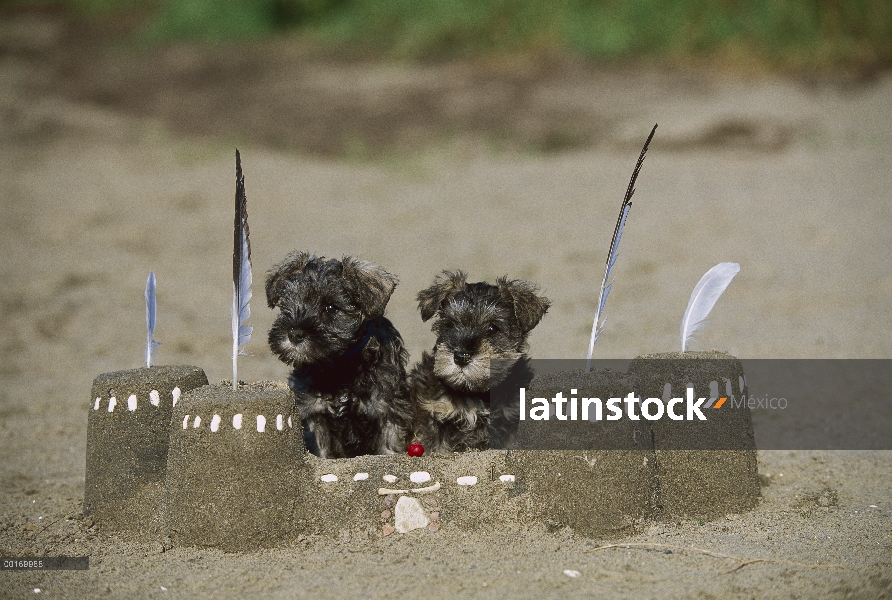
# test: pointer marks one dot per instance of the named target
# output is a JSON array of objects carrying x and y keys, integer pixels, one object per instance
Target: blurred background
[{"x": 494, "y": 136}]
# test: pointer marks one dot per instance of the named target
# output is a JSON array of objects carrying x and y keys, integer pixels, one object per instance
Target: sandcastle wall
[{"x": 236, "y": 475}]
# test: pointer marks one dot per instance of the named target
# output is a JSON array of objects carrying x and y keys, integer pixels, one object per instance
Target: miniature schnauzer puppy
[
  {"x": 349, "y": 377},
  {"x": 481, "y": 332}
]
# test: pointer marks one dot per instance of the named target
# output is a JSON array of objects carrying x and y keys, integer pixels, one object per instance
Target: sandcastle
[{"x": 169, "y": 455}]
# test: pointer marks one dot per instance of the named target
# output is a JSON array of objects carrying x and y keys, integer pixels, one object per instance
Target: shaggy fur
[
  {"x": 481, "y": 332},
  {"x": 349, "y": 376}
]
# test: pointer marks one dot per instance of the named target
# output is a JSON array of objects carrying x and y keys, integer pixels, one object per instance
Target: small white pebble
[
  {"x": 419, "y": 477},
  {"x": 131, "y": 403},
  {"x": 111, "y": 404},
  {"x": 197, "y": 422},
  {"x": 96, "y": 404},
  {"x": 237, "y": 421},
  {"x": 279, "y": 422},
  {"x": 360, "y": 477},
  {"x": 466, "y": 480},
  {"x": 185, "y": 421},
  {"x": 290, "y": 426},
  {"x": 330, "y": 478},
  {"x": 389, "y": 478},
  {"x": 872, "y": 506},
  {"x": 163, "y": 589},
  {"x": 36, "y": 590},
  {"x": 175, "y": 394},
  {"x": 215, "y": 423},
  {"x": 506, "y": 478},
  {"x": 261, "y": 423},
  {"x": 571, "y": 573},
  {"x": 154, "y": 397}
]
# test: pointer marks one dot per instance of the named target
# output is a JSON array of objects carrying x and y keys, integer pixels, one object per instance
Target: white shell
[
  {"x": 360, "y": 477},
  {"x": 571, "y": 573},
  {"x": 506, "y": 478},
  {"x": 420, "y": 477},
  {"x": 389, "y": 478},
  {"x": 466, "y": 480},
  {"x": 329, "y": 478}
]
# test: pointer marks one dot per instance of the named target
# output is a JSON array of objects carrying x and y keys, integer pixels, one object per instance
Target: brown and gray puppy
[
  {"x": 349, "y": 376},
  {"x": 481, "y": 342}
]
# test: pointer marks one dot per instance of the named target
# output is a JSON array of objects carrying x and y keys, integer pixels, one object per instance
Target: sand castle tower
[
  {"x": 127, "y": 444},
  {"x": 705, "y": 468},
  {"x": 236, "y": 469},
  {"x": 597, "y": 477}
]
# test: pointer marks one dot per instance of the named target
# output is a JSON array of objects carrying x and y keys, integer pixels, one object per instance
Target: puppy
[
  {"x": 481, "y": 332},
  {"x": 349, "y": 376}
]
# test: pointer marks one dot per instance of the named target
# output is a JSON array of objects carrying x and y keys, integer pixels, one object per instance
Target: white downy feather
[{"x": 707, "y": 291}]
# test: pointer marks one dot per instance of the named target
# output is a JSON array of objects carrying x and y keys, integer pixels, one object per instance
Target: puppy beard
[
  {"x": 477, "y": 375},
  {"x": 313, "y": 349}
]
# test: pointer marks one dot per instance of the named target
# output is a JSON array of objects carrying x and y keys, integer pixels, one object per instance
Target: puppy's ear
[
  {"x": 446, "y": 285},
  {"x": 277, "y": 278},
  {"x": 528, "y": 307},
  {"x": 370, "y": 285}
]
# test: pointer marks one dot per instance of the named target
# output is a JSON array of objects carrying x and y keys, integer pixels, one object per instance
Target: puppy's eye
[
  {"x": 331, "y": 309},
  {"x": 492, "y": 329}
]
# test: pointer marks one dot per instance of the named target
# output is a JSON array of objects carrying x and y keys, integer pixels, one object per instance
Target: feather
[
  {"x": 241, "y": 272},
  {"x": 151, "y": 344},
  {"x": 606, "y": 285},
  {"x": 707, "y": 291}
]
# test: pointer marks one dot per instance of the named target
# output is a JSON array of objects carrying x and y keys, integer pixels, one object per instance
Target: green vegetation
[{"x": 796, "y": 33}]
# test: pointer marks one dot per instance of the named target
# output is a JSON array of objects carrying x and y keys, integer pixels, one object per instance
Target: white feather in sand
[
  {"x": 241, "y": 272},
  {"x": 708, "y": 290}
]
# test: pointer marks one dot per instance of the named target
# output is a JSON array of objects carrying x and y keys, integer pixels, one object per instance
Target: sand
[{"x": 788, "y": 178}]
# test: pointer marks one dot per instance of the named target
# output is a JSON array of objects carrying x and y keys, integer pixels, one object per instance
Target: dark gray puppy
[
  {"x": 349, "y": 376},
  {"x": 481, "y": 342}
]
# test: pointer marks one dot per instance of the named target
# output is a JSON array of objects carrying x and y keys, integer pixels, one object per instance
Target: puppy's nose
[
  {"x": 461, "y": 358},
  {"x": 296, "y": 336}
]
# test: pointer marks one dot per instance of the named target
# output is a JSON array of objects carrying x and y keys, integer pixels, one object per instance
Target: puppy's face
[
  {"x": 479, "y": 323},
  {"x": 324, "y": 306}
]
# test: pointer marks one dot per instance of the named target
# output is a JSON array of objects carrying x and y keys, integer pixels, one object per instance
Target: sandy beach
[{"x": 115, "y": 164}]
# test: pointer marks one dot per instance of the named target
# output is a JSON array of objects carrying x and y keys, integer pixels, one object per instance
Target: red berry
[{"x": 416, "y": 449}]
